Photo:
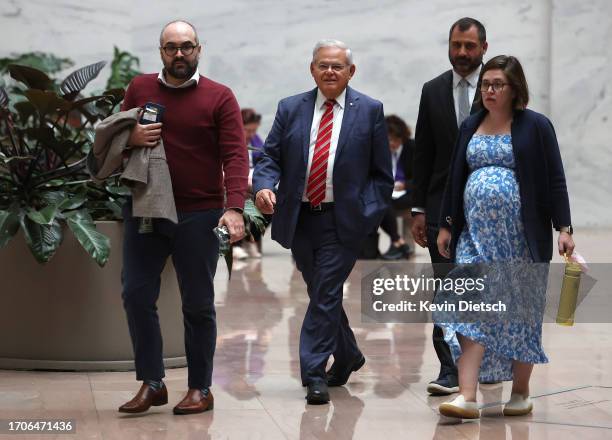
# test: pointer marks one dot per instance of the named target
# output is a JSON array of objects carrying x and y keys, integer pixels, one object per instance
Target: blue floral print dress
[{"x": 494, "y": 233}]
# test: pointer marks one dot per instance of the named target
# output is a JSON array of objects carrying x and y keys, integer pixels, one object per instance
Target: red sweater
[{"x": 203, "y": 139}]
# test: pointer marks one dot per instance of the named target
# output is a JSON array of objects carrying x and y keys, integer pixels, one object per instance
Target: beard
[
  {"x": 184, "y": 71},
  {"x": 465, "y": 65}
]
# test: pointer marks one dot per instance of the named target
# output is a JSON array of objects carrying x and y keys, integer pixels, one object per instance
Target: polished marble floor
[{"x": 257, "y": 389}]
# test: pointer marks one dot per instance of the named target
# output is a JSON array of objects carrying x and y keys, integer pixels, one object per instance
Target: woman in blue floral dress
[{"x": 506, "y": 186}]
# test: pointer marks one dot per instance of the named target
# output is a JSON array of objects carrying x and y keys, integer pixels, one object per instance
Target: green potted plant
[{"x": 46, "y": 131}]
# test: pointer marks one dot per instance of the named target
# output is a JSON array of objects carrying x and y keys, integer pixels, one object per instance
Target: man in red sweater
[{"x": 204, "y": 143}]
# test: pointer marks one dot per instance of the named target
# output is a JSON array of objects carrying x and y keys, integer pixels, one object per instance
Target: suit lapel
[
  {"x": 306, "y": 113},
  {"x": 351, "y": 107}
]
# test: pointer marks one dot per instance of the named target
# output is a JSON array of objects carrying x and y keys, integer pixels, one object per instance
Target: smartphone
[
  {"x": 151, "y": 113},
  {"x": 224, "y": 239}
]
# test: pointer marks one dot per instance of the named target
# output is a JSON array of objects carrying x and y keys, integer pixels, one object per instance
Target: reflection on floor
[{"x": 258, "y": 393}]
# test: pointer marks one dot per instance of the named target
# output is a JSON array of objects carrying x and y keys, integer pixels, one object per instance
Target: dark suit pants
[
  {"x": 325, "y": 264},
  {"x": 194, "y": 249},
  {"x": 389, "y": 221},
  {"x": 441, "y": 267}
]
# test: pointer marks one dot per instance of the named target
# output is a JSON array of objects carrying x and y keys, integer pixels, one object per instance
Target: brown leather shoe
[
  {"x": 145, "y": 398},
  {"x": 195, "y": 402}
]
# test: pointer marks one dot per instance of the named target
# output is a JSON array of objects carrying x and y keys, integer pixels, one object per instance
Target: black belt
[{"x": 321, "y": 207}]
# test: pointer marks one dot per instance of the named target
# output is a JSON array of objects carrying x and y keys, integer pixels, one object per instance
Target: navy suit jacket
[
  {"x": 539, "y": 172},
  {"x": 362, "y": 177}
]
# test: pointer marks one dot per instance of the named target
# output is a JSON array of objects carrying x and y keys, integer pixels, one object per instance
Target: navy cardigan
[{"x": 540, "y": 176}]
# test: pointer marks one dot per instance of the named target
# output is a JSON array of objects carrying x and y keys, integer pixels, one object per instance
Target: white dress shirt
[
  {"x": 319, "y": 109},
  {"x": 395, "y": 155},
  {"x": 193, "y": 80}
]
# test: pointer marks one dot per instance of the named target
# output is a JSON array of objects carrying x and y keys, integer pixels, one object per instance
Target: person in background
[
  {"x": 506, "y": 187},
  {"x": 251, "y": 120},
  {"x": 402, "y": 148}
]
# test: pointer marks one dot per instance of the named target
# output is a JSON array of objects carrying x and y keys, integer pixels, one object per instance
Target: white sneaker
[
  {"x": 459, "y": 408},
  {"x": 239, "y": 253},
  {"x": 518, "y": 406}
]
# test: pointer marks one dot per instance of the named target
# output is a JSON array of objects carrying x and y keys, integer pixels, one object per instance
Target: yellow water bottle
[{"x": 569, "y": 293}]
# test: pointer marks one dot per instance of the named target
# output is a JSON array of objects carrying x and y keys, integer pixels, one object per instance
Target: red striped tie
[{"x": 315, "y": 190}]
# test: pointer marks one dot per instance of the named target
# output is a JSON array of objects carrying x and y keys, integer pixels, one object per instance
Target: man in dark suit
[
  {"x": 445, "y": 102},
  {"x": 328, "y": 151}
]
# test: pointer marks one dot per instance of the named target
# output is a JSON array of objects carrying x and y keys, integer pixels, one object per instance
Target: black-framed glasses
[
  {"x": 498, "y": 86},
  {"x": 171, "y": 49}
]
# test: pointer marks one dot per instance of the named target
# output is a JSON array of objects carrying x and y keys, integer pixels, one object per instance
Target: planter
[{"x": 68, "y": 314}]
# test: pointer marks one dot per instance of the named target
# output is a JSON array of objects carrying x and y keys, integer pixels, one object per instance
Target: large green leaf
[
  {"x": 47, "y": 102},
  {"x": 33, "y": 78},
  {"x": 77, "y": 80},
  {"x": 9, "y": 225},
  {"x": 254, "y": 220},
  {"x": 115, "y": 207},
  {"x": 43, "y": 240},
  {"x": 95, "y": 243},
  {"x": 53, "y": 197},
  {"x": 73, "y": 201},
  {"x": 45, "y": 216}
]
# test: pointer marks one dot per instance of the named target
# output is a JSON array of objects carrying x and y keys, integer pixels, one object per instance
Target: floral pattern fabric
[{"x": 494, "y": 233}]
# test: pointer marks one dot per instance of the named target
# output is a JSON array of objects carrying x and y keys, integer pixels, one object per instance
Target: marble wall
[
  {"x": 262, "y": 50},
  {"x": 581, "y": 104}
]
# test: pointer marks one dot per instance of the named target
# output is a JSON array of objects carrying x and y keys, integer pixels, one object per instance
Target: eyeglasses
[
  {"x": 498, "y": 86},
  {"x": 335, "y": 67},
  {"x": 171, "y": 49}
]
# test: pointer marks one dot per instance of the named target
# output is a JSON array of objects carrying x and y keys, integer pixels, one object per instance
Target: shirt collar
[
  {"x": 191, "y": 81},
  {"x": 340, "y": 100},
  {"x": 472, "y": 78}
]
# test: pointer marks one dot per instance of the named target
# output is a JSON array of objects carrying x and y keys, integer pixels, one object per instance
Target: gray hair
[
  {"x": 333, "y": 43},
  {"x": 161, "y": 34}
]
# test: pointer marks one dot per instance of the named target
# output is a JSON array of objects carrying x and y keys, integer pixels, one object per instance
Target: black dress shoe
[
  {"x": 317, "y": 393},
  {"x": 397, "y": 252},
  {"x": 338, "y": 376},
  {"x": 443, "y": 385}
]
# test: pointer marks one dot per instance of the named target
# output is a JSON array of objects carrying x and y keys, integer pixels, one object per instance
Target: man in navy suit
[{"x": 328, "y": 152}]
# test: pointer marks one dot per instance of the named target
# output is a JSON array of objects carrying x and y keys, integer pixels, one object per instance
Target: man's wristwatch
[{"x": 569, "y": 229}]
